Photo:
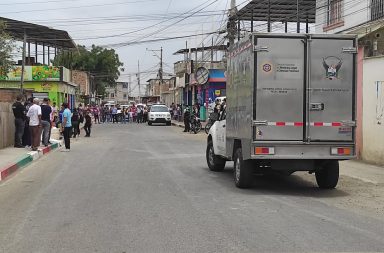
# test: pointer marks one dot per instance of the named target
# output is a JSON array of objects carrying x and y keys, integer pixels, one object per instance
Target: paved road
[{"x": 137, "y": 188}]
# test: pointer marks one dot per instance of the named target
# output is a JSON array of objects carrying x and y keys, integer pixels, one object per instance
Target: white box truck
[{"x": 291, "y": 106}]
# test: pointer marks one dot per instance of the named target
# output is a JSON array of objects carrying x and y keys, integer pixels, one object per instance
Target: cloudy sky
[{"x": 128, "y": 22}]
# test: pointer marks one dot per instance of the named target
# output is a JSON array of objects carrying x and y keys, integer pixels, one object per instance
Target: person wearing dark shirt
[
  {"x": 19, "y": 113},
  {"x": 46, "y": 111},
  {"x": 87, "y": 125},
  {"x": 75, "y": 123}
]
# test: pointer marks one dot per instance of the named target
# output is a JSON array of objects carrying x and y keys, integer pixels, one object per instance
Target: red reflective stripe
[
  {"x": 340, "y": 151},
  {"x": 336, "y": 124},
  {"x": 298, "y": 124},
  {"x": 318, "y": 124},
  {"x": 280, "y": 123}
]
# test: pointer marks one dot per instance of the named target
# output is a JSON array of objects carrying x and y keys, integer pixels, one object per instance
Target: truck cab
[{"x": 290, "y": 107}]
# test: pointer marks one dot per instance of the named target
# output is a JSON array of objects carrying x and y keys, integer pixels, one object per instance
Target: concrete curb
[{"x": 26, "y": 160}]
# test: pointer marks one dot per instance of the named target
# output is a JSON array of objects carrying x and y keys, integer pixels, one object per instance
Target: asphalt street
[{"x": 139, "y": 188}]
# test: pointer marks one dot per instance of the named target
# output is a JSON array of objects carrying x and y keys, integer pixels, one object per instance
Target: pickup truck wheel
[
  {"x": 243, "y": 174},
  {"x": 215, "y": 163},
  {"x": 327, "y": 175}
]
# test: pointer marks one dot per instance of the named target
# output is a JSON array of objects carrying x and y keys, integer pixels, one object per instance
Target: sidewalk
[
  {"x": 13, "y": 159},
  {"x": 354, "y": 168}
]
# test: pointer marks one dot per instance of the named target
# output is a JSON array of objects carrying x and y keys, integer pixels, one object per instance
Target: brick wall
[
  {"x": 81, "y": 78},
  {"x": 8, "y": 95}
]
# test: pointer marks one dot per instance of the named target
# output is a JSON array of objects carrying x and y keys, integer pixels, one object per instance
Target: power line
[{"x": 76, "y": 7}]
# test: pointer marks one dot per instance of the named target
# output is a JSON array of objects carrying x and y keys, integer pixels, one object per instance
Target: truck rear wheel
[
  {"x": 243, "y": 174},
  {"x": 215, "y": 163},
  {"x": 327, "y": 175}
]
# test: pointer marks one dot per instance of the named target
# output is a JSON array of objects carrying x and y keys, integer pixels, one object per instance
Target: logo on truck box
[
  {"x": 332, "y": 65},
  {"x": 267, "y": 67}
]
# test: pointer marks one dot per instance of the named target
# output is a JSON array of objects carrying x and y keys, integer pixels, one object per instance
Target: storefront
[
  {"x": 43, "y": 81},
  {"x": 216, "y": 86}
]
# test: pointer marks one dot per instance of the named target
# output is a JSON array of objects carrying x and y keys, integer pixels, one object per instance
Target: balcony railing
[{"x": 377, "y": 9}]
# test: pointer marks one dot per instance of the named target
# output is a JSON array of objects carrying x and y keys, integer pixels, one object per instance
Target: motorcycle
[{"x": 195, "y": 124}]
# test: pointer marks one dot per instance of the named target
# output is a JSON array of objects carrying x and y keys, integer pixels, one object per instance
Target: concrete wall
[
  {"x": 354, "y": 13},
  {"x": 7, "y": 125},
  {"x": 373, "y": 109}
]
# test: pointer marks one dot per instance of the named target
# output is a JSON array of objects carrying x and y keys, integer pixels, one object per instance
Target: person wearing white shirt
[{"x": 34, "y": 115}]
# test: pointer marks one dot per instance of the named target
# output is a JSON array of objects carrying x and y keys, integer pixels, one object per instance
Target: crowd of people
[
  {"x": 34, "y": 120},
  {"x": 131, "y": 114}
]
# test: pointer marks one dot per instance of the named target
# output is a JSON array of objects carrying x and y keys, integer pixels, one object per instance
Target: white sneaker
[{"x": 65, "y": 150}]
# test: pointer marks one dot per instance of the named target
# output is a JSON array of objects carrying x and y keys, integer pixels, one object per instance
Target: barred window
[
  {"x": 335, "y": 11},
  {"x": 377, "y": 9}
]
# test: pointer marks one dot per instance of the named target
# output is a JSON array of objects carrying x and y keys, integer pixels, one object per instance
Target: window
[
  {"x": 125, "y": 86},
  {"x": 112, "y": 95},
  {"x": 125, "y": 95},
  {"x": 335, "y": 12},
  {"x": 107, "y": 95},
  {"x": 377, "y": 9}
]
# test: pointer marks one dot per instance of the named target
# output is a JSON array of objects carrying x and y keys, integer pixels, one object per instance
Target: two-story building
[
  {"x": 119, "y": 93},
  {"x": 365, "y": 18}
]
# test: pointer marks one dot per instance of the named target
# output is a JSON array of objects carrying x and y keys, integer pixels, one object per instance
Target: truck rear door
[
  {"x": 331, "y": 89},
  {"x": 279, "y": 88}
]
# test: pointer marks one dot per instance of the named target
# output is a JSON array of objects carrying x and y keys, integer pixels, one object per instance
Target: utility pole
[
  {"x": 23, "y": 64},
  {"x": 161, "y": 62},
  {"x": 231, "y": 26},
  {"x": 138, "y": 78},
  {"x": 161, "y": 66},
  {"x": 129, "y": 86}
]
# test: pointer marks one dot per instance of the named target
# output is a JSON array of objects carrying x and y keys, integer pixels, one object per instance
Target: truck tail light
[
  {"x": 341, "y": 151},
  {"x": 264, "y": 151}
]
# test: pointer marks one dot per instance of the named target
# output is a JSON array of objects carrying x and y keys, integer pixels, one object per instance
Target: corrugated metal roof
[{"x": 38, "y": 34}]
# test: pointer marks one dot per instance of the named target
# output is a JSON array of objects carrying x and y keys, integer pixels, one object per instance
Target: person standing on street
[
  {"x": 19, "y": 113},
  {"x": 75, "y": 120},
  {"x": 114, "y": 114},
  {"x": 46, "y": 111},
  {"x": 34, "y": 115},
  {"x": 27, "y": 132},
  {"x": 187, "y": 116},
  {"x": 66, "y": 127},
  {"x": 87, "y": 125}
]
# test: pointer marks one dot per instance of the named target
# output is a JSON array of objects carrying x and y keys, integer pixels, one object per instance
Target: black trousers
[
  {"x": 187, "y": 125},
  {"x": 87, "y": 129},
  {"x": 67, "y": 137},
  {"x": 19, "y": 131},
  {"x": 76, "y": 129}
]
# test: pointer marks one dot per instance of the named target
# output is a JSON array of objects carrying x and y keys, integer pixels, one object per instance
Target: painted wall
[
  {"x": 355, "y": 13},
  {"x": 373, "y": 110}
]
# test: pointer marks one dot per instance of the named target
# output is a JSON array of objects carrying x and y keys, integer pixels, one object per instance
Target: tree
[
  {"x": 7, "y": 45},
  {"x": 102, "y": 63}
]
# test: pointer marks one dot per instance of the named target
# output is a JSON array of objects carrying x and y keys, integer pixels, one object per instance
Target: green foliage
[
  {"x": 102, "y": 63},
  {"x": 7, "y": 45}
]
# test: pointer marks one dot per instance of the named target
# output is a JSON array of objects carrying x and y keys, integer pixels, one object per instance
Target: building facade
[
  {"x": 118, "y": 93},
  {"x": 41, "y": 82},
  {"x": 365, "y": 18}
]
